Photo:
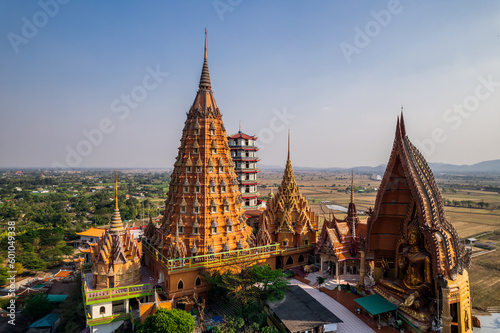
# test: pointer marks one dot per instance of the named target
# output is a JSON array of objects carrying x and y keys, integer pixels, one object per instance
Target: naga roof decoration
[{"x": 409, "y": 191}]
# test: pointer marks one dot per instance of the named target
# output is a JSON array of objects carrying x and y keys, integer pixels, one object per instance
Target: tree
[
  {"x": 168, "y": 321},
  {"x": 3, "y": 275},
  {"x": 67, "y": 250},
  {"x": 31, "y": 261},
  {"x": 37, "y": 305},
  {"x": 273, "y": 282},
  {"x": 19, "y": 268}
]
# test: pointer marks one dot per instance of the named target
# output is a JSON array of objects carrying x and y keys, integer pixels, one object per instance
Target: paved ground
[
  {"x": 331, "y": 283},
  {"x": 489, "y": 324},
  {"x": 351, "y": 323}
]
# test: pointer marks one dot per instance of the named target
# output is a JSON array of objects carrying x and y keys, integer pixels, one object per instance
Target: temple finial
[
  {"x": 205, "y": 76},
  {"x": 288, "y": 144},
  {"x": 352, "y": 186},
  {"x": 240, "y": 127},
  {"x": 116, "y": 189},
  {"x": 205, "y": 43},
  {"x": 402, "y": 123}
]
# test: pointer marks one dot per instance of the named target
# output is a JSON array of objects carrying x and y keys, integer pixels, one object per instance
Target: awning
[{"x": 375, "y": 304}]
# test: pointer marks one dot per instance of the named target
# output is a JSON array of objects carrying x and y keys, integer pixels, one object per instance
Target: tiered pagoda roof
[
  {"x": 203, "y": 210},
  {"x": 116, "y": 257},
  {"x": 288, "y": 213}
]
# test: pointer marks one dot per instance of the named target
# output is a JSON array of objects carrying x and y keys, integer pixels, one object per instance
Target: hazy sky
[{"x": 93, "y": 84}]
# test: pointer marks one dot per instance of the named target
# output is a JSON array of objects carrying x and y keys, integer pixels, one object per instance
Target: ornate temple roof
[
  {"x": 243, "y": 136},
  {"x": 343, "y": 238},
  {"x": 409, "y": 191},
  {"x": 199, "y": 193},
  {"x": 117, "y": 249},
  {"x": 287, "y": 210}
]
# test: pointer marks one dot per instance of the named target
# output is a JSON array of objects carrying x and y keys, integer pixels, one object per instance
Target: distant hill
[{"x": 481, "y": 167}]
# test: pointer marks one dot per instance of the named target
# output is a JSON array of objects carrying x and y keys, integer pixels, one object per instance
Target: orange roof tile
[
  {"x": 92, "y": 232},
  {"x": 63, "y": 274}
]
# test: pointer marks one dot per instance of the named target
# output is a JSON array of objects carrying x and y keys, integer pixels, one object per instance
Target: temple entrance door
[
  {"x": 111, "y": 282},
  {"x": 455, "y": 315}
]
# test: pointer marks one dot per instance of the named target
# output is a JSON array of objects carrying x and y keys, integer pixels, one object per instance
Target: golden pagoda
[
  {"x": 203, "y": 210},
  {"x": 116, "y": 256},
  {"x": 288, "y": 220},
  {"x": 420, "y": 263}
]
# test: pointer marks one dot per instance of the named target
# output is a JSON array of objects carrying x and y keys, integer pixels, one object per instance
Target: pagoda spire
[
  {"x": 205, "y": 75},
  {"x": 288, "y": 157},
  {"x": 116, "y": 221},
  {"x": 352, "y": 186}
]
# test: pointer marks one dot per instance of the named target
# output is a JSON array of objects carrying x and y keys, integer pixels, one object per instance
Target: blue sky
[{"x": 334, "y": 72}]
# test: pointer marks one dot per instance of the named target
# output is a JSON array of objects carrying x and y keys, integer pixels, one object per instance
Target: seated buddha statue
[{"x": 415, "y": 279}]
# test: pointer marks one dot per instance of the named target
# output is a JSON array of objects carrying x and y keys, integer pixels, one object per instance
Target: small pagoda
[
  {"x": 288, "y": 220},
  {"x": 243, "y": 151},
  {"x": 116, "y": 256}
]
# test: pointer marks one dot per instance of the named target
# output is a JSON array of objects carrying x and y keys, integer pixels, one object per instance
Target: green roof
[
  {"x": 375, "y": 304},
  {"x": 57, "y": 298},
  {"x": 46, "y": 321}
]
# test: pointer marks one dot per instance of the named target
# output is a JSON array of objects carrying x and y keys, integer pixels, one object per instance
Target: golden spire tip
[{"x": 116, "y": 189}]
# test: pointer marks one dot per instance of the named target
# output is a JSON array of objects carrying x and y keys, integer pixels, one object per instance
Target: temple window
[
  {"x": 247, "y": 143},
  {"x": 196, "y": 230},
  {"x": 229, "y": 228},
  {"x": 198, "y": 169},
  {"x": 196, "y": 132},
  {"x": 212, "y": 189},
  {"x": 186, "y": 189},
  {"x": 214, "y": 230},
  {"x": 212, "y": 132},
  {"x": 181, "y": 230},
  {"x": 180, "y": 285},
  {"x": 306, "y": 242},
  {"x": 221, "y": 169},
  {"x": 210, "y": 169},
  {"x": 214, "y": 209},
  {"x": 285, "y": 243},
  {"x": 223, "y": 189},
  {"x": 196, "y": 210},
  {"x": 198, "y": 281},
  {"x": 226, "y": 208},
  {"x": 197, "y": 189},
  {"x": 102, "y": 310},
  {"x": 214, "y": 151},
  {"x": 183, "y": 209},
  {"x": 195, "y": 150},
  {"x": 188, "y": 169}
]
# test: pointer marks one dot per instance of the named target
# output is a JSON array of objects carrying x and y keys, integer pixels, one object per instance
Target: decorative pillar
[
  {"x": 345, "y": 267},
  {"x": 446, "y": 316},
  {"x": 321, "y": 265},
  {"x": 362, "y": 269},
  {"x": 337, "y": 271}
]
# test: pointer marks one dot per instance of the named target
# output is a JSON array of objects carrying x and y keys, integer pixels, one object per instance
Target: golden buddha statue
[{"x": 413, "y": 271}]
